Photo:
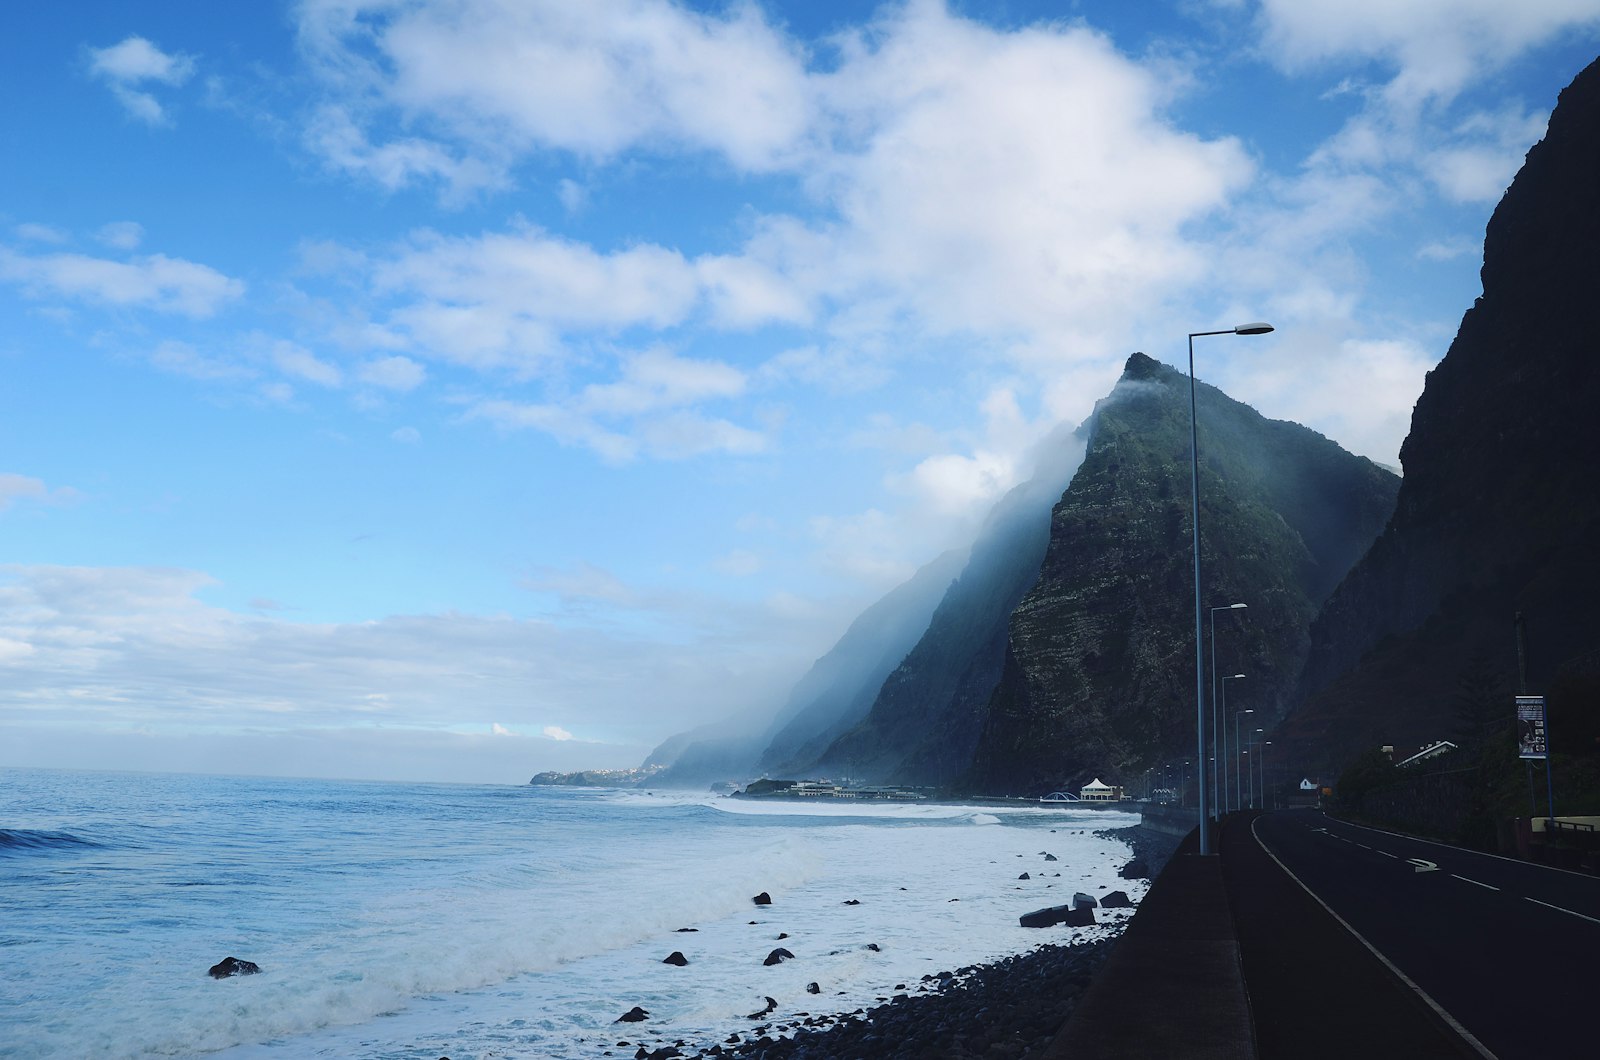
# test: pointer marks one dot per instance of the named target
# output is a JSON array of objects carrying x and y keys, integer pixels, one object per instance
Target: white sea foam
[{"x": 415, "y": 923}]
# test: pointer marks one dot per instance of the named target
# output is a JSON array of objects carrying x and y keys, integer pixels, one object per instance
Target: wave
[{"x": 24, "y": 840}]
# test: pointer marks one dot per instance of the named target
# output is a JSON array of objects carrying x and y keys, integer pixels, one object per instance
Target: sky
[{"x": 459, "y": 389}]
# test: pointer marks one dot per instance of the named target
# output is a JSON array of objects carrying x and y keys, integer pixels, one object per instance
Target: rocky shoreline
[{"x": 1010, "y": 1009}]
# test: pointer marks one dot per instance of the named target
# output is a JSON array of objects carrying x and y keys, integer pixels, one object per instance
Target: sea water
[{"x": 423, "y": 920}]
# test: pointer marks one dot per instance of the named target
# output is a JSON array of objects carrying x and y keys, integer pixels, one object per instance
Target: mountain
[
  {"x": 924, "y": 721},
  {"x": 1098, "y": 668},
  {"x": 839, "y": 689},
  {"x": 1498, "y": 514},
  {"x": 833, "y": 695}
]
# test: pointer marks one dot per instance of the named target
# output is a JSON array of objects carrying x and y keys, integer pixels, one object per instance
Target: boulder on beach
[
  {"x": 1058, "y": 914},
  {"x": 762, "y": 899},
  {"x": 1116, "y": 900},
  {"x": 1051, "y": 857},
  {"x": 852, "y": 901},
  {"x": 813, "y": 988},
  {"x": 633, "y": 1015},
  {"x": 1137, "y": 869},
  {"x": 232, "y": 966},
  {"x": 777, "y": 956},
  {"x": 676, "y": 957},
  {"x": 874, "y": 947},
  {"x": 1024, "y": 876},
  {"x": 1083, "y": 901}
]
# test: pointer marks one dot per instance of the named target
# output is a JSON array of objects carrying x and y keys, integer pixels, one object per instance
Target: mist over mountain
[
  {"x": 1498, "y": 514},
  {"x": 925, "y": 718},
  {"x": 1098, "y": 674},
  {"x": 835, "y": 693}
]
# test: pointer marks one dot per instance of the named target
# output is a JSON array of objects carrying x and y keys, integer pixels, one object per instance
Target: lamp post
[
  {"x": 1253, "y": 743},
  {"x": 1223, "y": 755},
  {"x": 1238, "y": 781},
  {"x": 1199, "y": 616},
  {"x": 1216, "y": 716}
]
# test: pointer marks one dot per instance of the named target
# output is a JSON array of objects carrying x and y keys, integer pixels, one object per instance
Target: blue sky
[{"x": 455, "y": 390}]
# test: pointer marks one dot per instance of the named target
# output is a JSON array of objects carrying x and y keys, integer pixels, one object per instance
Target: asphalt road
[{"x": 1502, "y": 957}]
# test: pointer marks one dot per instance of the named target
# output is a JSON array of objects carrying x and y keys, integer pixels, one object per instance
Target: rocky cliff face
[
  {"x": 1498, "y": 513},
  {"x": 1098, "y": 673}
]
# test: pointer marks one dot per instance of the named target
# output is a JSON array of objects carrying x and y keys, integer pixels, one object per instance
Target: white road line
[
  {"x": 1386, "y": 854},
  {"x": 1463, "y": 879},
  {"x": 1363, "y": 846},
  {"x": 1454, "y": 1024},
  {"x": 1560, "y": 909}
]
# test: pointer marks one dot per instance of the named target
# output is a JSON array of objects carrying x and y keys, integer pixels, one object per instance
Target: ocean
[{"x": 414, "y": 921}]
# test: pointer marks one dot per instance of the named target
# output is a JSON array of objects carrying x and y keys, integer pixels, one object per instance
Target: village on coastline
[{"x": 1095, "y": 793}]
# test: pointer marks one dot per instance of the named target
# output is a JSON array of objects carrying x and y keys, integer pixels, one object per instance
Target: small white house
[{"x": 1095, "y": 791}]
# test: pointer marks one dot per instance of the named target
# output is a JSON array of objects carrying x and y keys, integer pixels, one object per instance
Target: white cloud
[
  {"x": 574, "y": 196},
  {"x": 41, "y": 233},
  {"x": 180, "y": 358},
  {"x": 1435, "y": 47},
  {"x": 137, "y": 62},
  {"x": 155, "y": 281},
  {"x": 302, "y": 364},
  {"x": 613, "y": 74},
  {"x": 15, "y": 487},
  {"x": 111, "y": 648},
  {"x": 334, "y": 135},
  {"x": 121, "y": 235},
  {"x": 556, "y": 732},
  {"x": 646, "y": 411},
  {"x": 406, "y": 435},
  {"x": 392, "y": 373}
]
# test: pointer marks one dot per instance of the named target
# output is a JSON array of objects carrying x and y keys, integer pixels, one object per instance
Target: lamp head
[
  {"x": 1235, "y": 677},
  {"x": 1237, "y": 606},
  {"x": 1258, "y": 328}
]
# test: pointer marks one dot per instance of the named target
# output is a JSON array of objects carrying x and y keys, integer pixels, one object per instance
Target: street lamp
[
  {"x": 1253, "y": 743},
  {"x": 1199, "y": 628},
  {"x": 1238, "y": 781},
  {"x": 1216, "y": 716}
]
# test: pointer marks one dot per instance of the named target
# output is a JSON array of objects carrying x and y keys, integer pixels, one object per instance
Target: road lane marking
[
  {"x": 1386, "y": 854},
  {"x": 1463, "y": 879},
  {"x": 1423, "y": 866},
  {"x": 1478, "y": 853},
  {"x": 1454, "y": 1024},
  {"x": 1561, "y": 909}
]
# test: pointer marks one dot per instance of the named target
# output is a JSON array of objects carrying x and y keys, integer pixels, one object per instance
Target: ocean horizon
[{"x": 414, "y": 921}]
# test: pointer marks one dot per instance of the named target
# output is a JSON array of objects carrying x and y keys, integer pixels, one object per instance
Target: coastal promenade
[{"x": 1230, "y": 957}]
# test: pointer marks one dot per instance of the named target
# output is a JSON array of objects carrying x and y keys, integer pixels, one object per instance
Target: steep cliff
[
  {"x": 1498, "y": 513},
  {"x": 1098, "y": 673}
]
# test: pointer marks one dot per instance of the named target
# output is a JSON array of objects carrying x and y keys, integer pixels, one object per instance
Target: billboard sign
[{"x": 1530, "y": 727}]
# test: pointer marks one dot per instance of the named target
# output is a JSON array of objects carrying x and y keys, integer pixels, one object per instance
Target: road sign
[{"x": 1530, "y": 727}]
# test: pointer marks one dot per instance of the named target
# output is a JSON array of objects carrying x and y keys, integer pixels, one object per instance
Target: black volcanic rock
[
  {"x": 1099, "y": 668},
  {"x": 1498, "y": 513},
  {"x": 231, "y": 966}
]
